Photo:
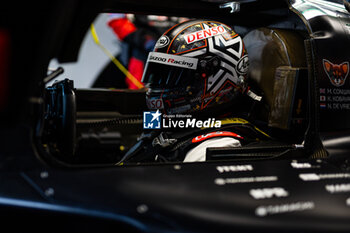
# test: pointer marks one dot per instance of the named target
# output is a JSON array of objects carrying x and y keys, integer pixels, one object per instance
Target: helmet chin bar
[{"x": 179, "y": 101}]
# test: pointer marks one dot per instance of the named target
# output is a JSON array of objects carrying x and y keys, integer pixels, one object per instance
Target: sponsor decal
[
  {"x": 162, "y": 42},
  {"x": 234, "y": 168},
  {"x": 338, "y": 188},
  {"x": 204, "y": 34},
  {"x": 266, "y": 193},
  {"x": 263, "y": 211},
  {"x": 337, "y": 74},
  {"x": 173, "y": 60},
  {"x": 315, "y": 177},
  {"x": 151, "y": 120},
  {"x": 243, "y": 65},
  {"x": 297, "y": 165},
  {"x": 222, "y": 181},
  {"x": 155, "y": 103},
  {"x": 215, "y": 134}
]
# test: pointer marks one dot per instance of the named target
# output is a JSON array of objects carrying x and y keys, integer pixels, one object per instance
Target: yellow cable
[
  {"x": 114, "y": 60},
  {"x": 241, "y": 121}
]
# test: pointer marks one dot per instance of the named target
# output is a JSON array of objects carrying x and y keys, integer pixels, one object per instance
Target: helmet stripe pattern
[{"x": 228, "y": 63}]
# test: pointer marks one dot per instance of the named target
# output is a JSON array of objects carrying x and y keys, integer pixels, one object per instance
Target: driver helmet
[{"x": 196, "y": 66}]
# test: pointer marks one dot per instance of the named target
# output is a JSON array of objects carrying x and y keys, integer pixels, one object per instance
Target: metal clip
[
  {"x": 163, "y": 140},
  {"x": 235, "y": 6},
  {"x": 254, "y": 96}
]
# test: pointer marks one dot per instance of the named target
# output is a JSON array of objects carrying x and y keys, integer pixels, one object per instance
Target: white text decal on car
[
  {"x": 203, "y": 34},
  {"x": 173, "y": 60}
]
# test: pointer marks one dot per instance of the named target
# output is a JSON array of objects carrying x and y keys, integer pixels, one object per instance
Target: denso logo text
[{"x": 203, "y": 34}]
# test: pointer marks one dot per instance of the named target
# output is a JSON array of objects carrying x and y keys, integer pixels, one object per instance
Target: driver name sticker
[
  {"x": 335, "y": 98},
  {"x": 204, "y": 34},
  {"x": 173, "y": 60}
]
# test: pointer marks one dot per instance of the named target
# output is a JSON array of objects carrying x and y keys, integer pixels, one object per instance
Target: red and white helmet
[{"x": 195, "y": 66}]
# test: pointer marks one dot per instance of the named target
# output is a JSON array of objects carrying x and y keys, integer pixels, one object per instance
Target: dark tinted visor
[{"x": 168, "y": 71}]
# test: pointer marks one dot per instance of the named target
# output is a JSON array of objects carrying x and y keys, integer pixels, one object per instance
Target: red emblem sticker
[
  {"x": 215, "y": 134},
  {"x": 337, "y": 73}
]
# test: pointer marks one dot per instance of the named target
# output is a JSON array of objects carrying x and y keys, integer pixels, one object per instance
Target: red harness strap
[{"x": 215, "y": 134}]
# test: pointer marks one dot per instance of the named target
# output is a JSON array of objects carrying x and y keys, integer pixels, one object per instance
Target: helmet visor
[{"x": 169, "y": 71}]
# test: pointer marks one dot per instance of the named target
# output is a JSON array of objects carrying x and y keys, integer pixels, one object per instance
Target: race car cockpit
[
  {"x": 175, "y": 116},
  {"x": 101, "y": 125}
]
